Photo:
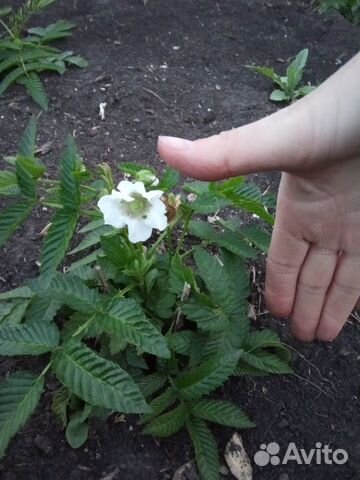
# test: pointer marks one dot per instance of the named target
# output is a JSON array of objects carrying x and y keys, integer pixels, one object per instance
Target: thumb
[{"x": 267, "y": 144}]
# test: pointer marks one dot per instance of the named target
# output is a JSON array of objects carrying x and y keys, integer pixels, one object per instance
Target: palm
[{"x": 314, "y": 261}]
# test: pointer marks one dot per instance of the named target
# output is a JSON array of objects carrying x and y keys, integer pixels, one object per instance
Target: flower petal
[
  {"x": 157, "y": 215},
  {"x": 109, "y": 207},
  {"x": 138, "y": 230},
  {"x": 153, "y": 194}
]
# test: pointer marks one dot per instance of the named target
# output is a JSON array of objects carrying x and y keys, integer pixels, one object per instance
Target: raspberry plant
[
  {"x": 25, "y": 54},
  {"x": 150, "y": 329}
]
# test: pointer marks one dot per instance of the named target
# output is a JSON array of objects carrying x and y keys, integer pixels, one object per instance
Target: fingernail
[{"x": 175, "y": 143}]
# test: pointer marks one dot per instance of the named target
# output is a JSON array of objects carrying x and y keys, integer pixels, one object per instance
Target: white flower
[{"x": 132, "y": 206}]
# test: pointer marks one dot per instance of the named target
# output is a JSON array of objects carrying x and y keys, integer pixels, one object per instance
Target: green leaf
[
  {"x": 69, "y": 290},
  {"x": 160, "y": 404},
  {"x": 15, "y": 313},
  {"x": 257, "y": 236},
  {"x": 226, "y": 239},
  {"x": 25, "y": 180},
  {"x": 168, "y": 423},
  {"x": 180, "y": 342},
  {"x": 42, "y": 309},
  {"x": 126, "y": 319},
  {"x": 59, "y": 404},
  {"x": 92, "y": 238},
  {"x": 77, "y": 429},
  {"x": 132, "y": 168},
  {"x": 218, "y": 411},
  {"x": 169, "y": 180},
  {"x": 267, "y": 339},
  {"x": 180, "y": 274},
  {"x": 238, "y": 275},
  {"x": 8, "y": 183},
  {"x": 35, "y": 89},
  {"x": 206, "y": 452},
  {"x": 97, "y": 380},
  {"x": 77, "y": 61},
  {"x": 19, "y": 396},
  {"x": 267, "y": 362},
  {"x": 295, "y": 70},
  {"x": 12, "y": 217},
  {"x": 57, "y": 240},
  {"x": 152, "y": 383},
  {"x": 5, "y": 11},
  {"x": 244, "y": 369},
  {"x": 20, "y": 292},
  {"x": 197, "y": 187},
  {"x": 28, "y": 339},
  {"x": 207, "y": 318},
  {"x": 208, "y": 202},
  {"x": 278, "y": 96},
  {"x": 214, "y": 274},
  {"x": 69, "y": 183},
  {"x": 206, "y": 377},
  {"x": 266, "y": 72},
  {"x": 28, "y": 140}
]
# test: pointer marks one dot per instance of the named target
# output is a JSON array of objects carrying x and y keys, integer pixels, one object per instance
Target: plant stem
[
  {"x": 187, "y": 219},
  {"x": 7, "y": 29}
]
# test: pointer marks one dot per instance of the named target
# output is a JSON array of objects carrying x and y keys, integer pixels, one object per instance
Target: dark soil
[{"x": 178, "y": 68}]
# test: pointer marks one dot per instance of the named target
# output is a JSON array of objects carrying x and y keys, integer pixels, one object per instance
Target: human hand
[{"x": 313, "y": 266}]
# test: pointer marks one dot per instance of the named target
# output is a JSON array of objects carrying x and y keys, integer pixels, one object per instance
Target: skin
[{"x": 313, "y": 266}]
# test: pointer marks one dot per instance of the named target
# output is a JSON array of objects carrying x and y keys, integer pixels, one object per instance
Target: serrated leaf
[
  {"x": 180, "y": 342},
  {"x": 169, "y": 180},
  {"x": 132, "y": 168},
  {"x": 20, "y": 292},
  {"x": 25, "y": 180},
  {"x": 57, "y": 240},
  {"x": 8, "y": 183},
  {"x": 16, "y": 313},
  {"x": 12, "y": 217},
  {"x": 28, "y": 339},
  {"x": 126, "y": 319},
  {"x": 160, "y": 404},
  {"x": 208, "y": 319},
  {"x": 207, "y": 376},
  {"x": 226, "y": 239},
  {"x": 69, "y": 183},
  {"x": 208, "y": 202},
  {"x": 59, "y": 404},
  {"x": 244, "y": 369},
  {"x": 197, "y": 187},
  {"x": 36, "y": 90},
  {"x": 152, "y": 383},
  {"x": 206, "y": 452},
  {"x": 237, "y": 273},
  {"x": 19, "y": 396},
  {"x": 214, "y": 274},
  {"x": 92, "y": 238},
  {"x": 97, "y": 380},
  {"x": 257, "y": 236},
  {"x": 28, "y": 140},
  {"x": 267, "y": 339},
  {"x": 168, "y": 423},
  {"x": 69, "y": 290},
  {"x": 42, "y": 308},
  {"x": 219, "y": 411},
  {"x": 295, "y": 70},
  {"x": 267, "y": 362}
]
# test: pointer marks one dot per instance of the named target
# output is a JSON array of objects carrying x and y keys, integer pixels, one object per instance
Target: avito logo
[{"x": 270, "y": 454}]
